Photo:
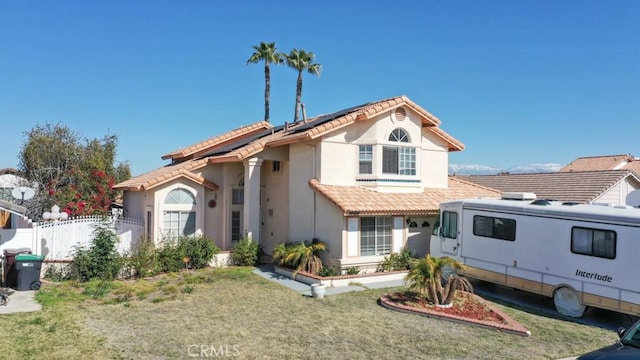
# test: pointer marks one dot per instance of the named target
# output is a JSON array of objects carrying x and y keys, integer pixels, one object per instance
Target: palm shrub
[
  {"x": 428, "y": 274},
  {"x": 303, "y": 256}
]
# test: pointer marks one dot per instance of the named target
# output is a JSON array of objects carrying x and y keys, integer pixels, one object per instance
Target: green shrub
[
  {"x": 352, "y": 270},
  {"x": 142, "y": 261},
  {"x": 246, "y": 252},
  {"x": 199, "y": 251},
  {"x": 56, "y": 273},
  {"x": 403, "y": 260},
  {"x": 101, "y": 261},
  {"x": 327, "y": 271}
]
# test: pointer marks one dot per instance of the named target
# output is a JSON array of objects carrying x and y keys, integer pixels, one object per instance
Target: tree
[
  {"x": 427, "y": 275},
  {"x": 268, "y": 53},
  {"x": 301, "y": 61},
  {"x": 76, "y": 174}
]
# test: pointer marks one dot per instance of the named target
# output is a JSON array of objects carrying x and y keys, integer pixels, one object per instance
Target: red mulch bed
[{"x": 467, "y": 308}]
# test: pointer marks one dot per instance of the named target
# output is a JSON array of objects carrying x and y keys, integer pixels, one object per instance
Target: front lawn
[{"x": 233, "y": 313}]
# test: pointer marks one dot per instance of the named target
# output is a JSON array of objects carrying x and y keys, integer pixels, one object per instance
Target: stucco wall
[
  {"x": 340, "y": 163},
  {"x": 274, "y": 205},
  {"x": 330, "y": 228},
  {"x": 134, "y": 204},
  {"x": 301, "y": 204}
]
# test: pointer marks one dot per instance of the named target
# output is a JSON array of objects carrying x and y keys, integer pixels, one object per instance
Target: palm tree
[
  {"x": 426, "y": 278},
  {"x": 268, "y": 53},
  {"x": 300, "y": 60},
  {"x": 304, "y": 256}
]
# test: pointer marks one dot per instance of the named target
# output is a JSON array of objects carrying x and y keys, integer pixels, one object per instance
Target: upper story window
[
  {"x": 399, "y": 159},
  {"x": 365, "y": 155}
]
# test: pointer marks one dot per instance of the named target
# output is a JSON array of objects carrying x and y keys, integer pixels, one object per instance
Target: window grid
[
  {"x": 375, "y": 236},
  {"x": 235, "y": 226},
  {"x": 365, "y": 156},
  {"x": 179, "y": 223}
]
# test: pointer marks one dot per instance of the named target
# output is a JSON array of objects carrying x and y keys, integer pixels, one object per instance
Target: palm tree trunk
[
  {"x": 449, "y": 291},
  {"x": 267, "y": 90},
  {"x": 434, "y": 293},
  {"x": 298, "y": 97}
]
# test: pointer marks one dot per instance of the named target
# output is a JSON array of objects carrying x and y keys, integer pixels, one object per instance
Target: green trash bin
[{"x": 28, "y": 271}]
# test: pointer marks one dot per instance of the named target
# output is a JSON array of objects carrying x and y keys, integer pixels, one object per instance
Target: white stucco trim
[
  {"x": 352, "y": 237},
  {"x": 397, "y": 234}
]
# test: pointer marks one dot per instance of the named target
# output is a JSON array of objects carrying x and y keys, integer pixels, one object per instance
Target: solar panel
[
  {"x": 325, "y": 118},
  {"x": 240, "y": 143}
]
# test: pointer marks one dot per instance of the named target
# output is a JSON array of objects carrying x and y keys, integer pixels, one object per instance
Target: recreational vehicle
[{"x": 578, "y": 254}]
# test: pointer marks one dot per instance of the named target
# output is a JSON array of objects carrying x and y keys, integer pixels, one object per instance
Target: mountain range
[{"x": 459, "y": 169}]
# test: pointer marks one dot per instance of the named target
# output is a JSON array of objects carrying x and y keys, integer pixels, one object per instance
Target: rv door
[{"x": 448, "y": 233}]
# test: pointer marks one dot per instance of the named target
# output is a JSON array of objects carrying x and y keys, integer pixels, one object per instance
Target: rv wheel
[{"x": 568, "y": 303}]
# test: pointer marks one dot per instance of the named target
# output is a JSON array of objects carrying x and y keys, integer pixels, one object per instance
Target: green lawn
[{"x": 235, "y": 314}]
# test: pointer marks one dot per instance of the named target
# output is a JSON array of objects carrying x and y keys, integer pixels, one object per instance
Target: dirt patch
[{"x": 467, "y": 308}]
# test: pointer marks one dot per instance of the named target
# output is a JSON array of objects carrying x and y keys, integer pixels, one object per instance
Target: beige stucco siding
[
  {"x": 330, "y": 228},
  {"x": 134, "y": 201},
  {"x": 302, "y": 165},
  {"x": 274, "y": 205}
]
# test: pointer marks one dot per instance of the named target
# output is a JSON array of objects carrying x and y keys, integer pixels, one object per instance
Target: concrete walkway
[
  {"x": 267, "y": 271},
  {"x": 20, "y": 301}
]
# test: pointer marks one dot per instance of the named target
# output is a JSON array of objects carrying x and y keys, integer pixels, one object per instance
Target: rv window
[
  {"x": 450, "y": 224},
  {"x": 593, "y": 242},
  {"x": 497, "y": 228},
  {"x": 436, "y": 225}
]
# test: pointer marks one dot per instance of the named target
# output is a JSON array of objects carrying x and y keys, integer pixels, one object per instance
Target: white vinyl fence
[{"x": 57, "y": 240}]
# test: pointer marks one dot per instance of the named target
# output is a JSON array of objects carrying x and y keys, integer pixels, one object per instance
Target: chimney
[{"x": 304, "y": 113}]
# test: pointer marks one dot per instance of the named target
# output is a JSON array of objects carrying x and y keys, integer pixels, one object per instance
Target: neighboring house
[
  {"x": 609, "y": 162},
  {"x": 12, "y": 216},
  {"x": 9, "y": 179},
  {"x": 366, "y": 180},
  {"x": 606, "y": 186}
]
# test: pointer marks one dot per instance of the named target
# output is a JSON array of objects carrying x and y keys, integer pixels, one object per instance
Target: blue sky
[{"x": 518, "y": 82}]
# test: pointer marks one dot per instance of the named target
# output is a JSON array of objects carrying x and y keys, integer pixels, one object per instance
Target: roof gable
[{"x": 594, "y": 163}]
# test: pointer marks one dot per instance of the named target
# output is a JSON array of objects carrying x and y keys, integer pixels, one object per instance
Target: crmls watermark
[{"x": 213, "y": 351}]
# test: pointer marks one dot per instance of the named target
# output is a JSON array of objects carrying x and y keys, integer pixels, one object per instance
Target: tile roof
[
  {"x": 593, "y": 163},
  {"x": 165, "y": 174},
  {"x": 247, "y": 141},
  {"x": 357, "y": 200},
  {"x": 218, "y": 141},
  {"x": 362, "y": 113},
  {"x": 579, "y": 186}
]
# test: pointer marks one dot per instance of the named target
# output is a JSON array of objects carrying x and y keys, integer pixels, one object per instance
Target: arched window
[
  {"x": 180, "y": 196},
  {"x": 399, "y": 159},
  {"x": 399, "y": 135},
  {"x": 179, "y": 217}
]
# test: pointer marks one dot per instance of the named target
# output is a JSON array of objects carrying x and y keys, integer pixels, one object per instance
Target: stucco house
[{"x": 366, "y": 180}]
